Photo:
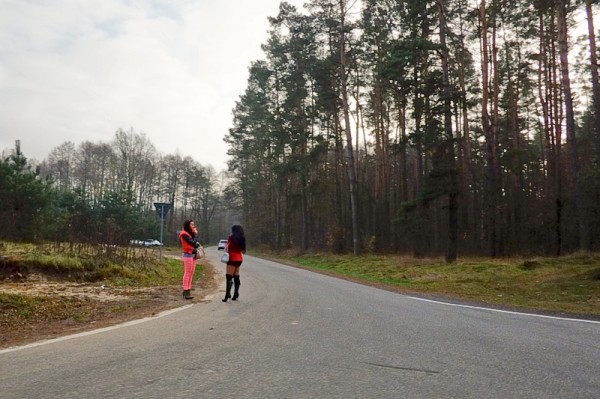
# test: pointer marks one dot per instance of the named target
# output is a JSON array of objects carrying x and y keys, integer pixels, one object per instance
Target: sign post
[{"x": 162, "y": 209}]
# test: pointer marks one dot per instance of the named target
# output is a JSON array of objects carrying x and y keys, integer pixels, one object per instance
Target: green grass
[
  {"x": 148, "y": 271},
  {"x": 89, "y": 266},
  {"x": 569, "y": 284}
]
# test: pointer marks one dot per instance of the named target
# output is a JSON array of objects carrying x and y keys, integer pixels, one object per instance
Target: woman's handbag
[
  {"x": 225, "y": 257},
  {"x": 199, "y": 255}
]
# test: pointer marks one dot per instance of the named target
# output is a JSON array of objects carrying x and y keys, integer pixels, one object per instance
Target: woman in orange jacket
[
  {"x": 236, "y": 246},
  {"x": 189, "y": 245}
]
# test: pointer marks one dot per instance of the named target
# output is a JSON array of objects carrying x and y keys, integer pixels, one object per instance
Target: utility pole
[{"x": 162, "y": 209}]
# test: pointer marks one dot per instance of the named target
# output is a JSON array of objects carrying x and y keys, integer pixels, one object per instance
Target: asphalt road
[{"x": 297, "y": 334}]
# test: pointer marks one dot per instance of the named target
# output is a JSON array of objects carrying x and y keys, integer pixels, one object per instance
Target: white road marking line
[
  {"x": 458, "y": 305},
  {"x": 92, "y": 332}
]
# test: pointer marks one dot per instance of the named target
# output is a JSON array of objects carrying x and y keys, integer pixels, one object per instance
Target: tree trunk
[
  {"x": 555, "y": 133},
  {"x": 349, "y": 150},
  {"x": 489, "y": 136},
  {"x": 382, "y": 191},
  {"x": 450, "y": 162},
  {"x": 594, "y": 71},
  {"x": 513, "y": 136},
  {"x": 497, "y": 187},
  {"x": 570, "y": 121},
  {"x": 339, "y": 243},
  {"x": 467, "y": 205}
]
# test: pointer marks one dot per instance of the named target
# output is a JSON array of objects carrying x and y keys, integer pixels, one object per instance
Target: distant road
[{"x": 297, "y": 334}]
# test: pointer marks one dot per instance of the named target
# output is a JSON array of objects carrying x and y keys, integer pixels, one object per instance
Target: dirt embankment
[{"x": 65, "y": 307}]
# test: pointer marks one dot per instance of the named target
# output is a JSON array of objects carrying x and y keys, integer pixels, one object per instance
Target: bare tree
[
  {"x": 60, "y": 165},
  {"x": 132, "y": 151}
]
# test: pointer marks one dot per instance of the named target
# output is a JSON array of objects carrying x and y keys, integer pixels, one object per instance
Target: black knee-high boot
[
  {"x": 236, "y": 289},
  {"x": 229, "y": 279}
]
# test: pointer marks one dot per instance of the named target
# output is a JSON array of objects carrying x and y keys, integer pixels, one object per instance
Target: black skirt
[{"x": 235, "y": 263}]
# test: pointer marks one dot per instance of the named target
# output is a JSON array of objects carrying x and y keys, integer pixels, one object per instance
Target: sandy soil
[{"x": 84, "y": 307}]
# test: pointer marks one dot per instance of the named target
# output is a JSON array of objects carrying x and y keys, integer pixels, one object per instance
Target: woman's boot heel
[
  {"x": 229, "y": 279},
  {"x": 236, "y": 288}
]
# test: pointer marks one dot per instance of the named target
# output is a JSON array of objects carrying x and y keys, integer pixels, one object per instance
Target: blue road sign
[{"x": 162, "y": 209}]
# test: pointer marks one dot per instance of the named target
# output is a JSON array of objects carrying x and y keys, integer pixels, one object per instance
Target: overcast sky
[{"x": 79, "y": 70}]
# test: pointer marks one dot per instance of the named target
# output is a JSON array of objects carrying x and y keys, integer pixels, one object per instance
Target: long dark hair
[
  {"x": 237, "y": 233},
  {"x": 187, "y": 227}
]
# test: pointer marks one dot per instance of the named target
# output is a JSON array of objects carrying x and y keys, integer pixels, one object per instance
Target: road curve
[{"x": 297, "y": 334}]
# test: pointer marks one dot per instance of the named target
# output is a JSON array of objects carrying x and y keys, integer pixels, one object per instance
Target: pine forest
[{"x": 430, "y": 127}]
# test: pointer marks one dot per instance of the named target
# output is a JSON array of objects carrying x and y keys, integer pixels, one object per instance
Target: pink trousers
[{"x": 189, "y": 267}]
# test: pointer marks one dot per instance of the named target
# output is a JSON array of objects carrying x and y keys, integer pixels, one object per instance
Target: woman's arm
[{"x": 192, "y": 241}]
